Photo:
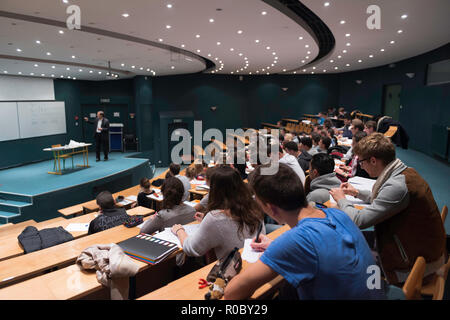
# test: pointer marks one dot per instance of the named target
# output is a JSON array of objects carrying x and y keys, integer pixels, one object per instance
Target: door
[
  {"x": 392, "y": 101},
  {"x": 171, "y": 128}
]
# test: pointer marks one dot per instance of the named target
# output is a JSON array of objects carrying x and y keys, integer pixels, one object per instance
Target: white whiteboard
[
  {"x": 37, "y": 119},
  {"x": 9, "y": 122},
  {"x": 18, "y": 88}
]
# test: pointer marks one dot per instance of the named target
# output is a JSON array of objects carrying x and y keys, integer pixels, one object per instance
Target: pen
[{"x": 259, "y": 231}]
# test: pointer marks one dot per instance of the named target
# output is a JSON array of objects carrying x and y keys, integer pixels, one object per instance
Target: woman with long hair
[{"x": 233, "y": 216}]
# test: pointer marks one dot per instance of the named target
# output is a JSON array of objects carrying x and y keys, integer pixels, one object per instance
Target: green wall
[{"x": 422, "y": 106}]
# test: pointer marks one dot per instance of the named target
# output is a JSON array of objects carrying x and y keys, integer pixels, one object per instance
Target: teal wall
[{"x": 423, "y": 106}]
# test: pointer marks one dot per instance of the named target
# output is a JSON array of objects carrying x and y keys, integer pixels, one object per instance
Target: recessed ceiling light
[
  {"x": 65, "y": 1},
  {"x": 133, "y": 67},
  {"x": 38, "y": 41},
  {"x": 257, "y": 41},
  {"x": 148, "y": 69},
  {"x": 74, "y": 78},
  {"x": 125, "y": 15},
  {"x": 53, "y": 67},
  {"x": 314, "y": 68},
  {"x": 348, "y": 44},
  {"x": 239, "y": 31},
  {"x": 5, "y": 71},
  {"x": 276, "y": 58},
  {"x": 168, "y": 27},
  {"x": 371, "y": 56},
  {"x": 359, "y": 61},
  {"x": 324, "y": 70},
  {"x": 211, "y": 20},
  {"x": 404, "y": 16},
  {"x": 274, "y": 53},
  {"x": 172, "y": 67},
  {"x": 307, "y": 46},
  {"x": 218, "y": 43},
  {"x": 309, "y": 52},
  {"x": 303, "y": 61},
  {"x": 67, "y": 68},
  {"x": 347, "y": 35},
  {"x": 160, "y": 40},
  {"x": 295, "y": 72},
  {"x": 348, "y": 65},
  {"x": 231, "y": 49},
  {"x": 240, "y": 54},
  {"x": 268, "y": 48},
  {"x": 183, "y": 46},
  {"x": 141, "y": 68},
  {"x": 342, "y": 21},
  {"x": 382, "y": 50},
  {"x": 43, "y": 74},
  {"x": 339, "y": 57},
  {"x": 99, "y": 72},
  {"x": 326, "y": 4},
  {"x": 264, "y": 13},
  {"x": 197, "y": 36},
  {"x": 300, "y": 38},
  {"x": 198, "y": 50},
  {"x": 19, "y": 72},
  {"x": 49, "y": 54},
  {"x": 245, "y": 58},
  {"x": 392, "y": 42},
  {"x": 73, "y": 57},
  {"x": 122, "y": 65},
  {"x": 209, "y": 54},
  {"x": 36, "y": 65},
  {"x": 19, "y": 50},
  {"x": 331, "y": 61},
  {"x": 344, "y": 51},
  {"x": 400, "y": 31},
  {"x": 307, "y": 57},
  {"x": 90, "y": 71},
  {"x": 61, "y": 32},
  {"x": 335, "y": 68},
  {"x": 284, "y": 70},
  {"x": 169, "y": 6},
  {"x": 80, "y": 70},
  {"x": 32, "y": 74}
]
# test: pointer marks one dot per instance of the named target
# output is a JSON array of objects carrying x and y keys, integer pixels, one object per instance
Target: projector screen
[
  {"x": 20, "y": 120},
  {"x": 438, "y": 73}
]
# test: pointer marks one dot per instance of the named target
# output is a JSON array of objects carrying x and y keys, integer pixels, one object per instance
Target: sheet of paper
[
  {"x": 81, "y": 227},
  {"x": 362, "y": 183},
  {"x": 132, "y": 198},
  {"x": 190, "y": 203},
  {"x": 352, "y": 200},
  {"x": 202, "y": 187},
  {"x": 156, "y": 196},
  {"x": 125, "y": 202},
  {"x": 249, "y": 254},
  {"x": 168, "y": 235},
  {"x": 198, "y": 182}
]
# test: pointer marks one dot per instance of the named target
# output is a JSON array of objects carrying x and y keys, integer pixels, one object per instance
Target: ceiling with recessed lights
[{"x": 122, "y": 39}]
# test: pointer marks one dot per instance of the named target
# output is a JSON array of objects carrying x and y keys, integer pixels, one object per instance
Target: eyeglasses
[{"x": 360, "y": 161}]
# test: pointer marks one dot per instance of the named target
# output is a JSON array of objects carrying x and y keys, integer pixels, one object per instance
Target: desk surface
[
  {"x": 67, "y": 147},
  {"x": 186, "y": 288}
]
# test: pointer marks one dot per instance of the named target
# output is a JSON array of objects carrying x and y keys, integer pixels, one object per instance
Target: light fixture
[
  {"x": 32, "y": 74},
  {"x": 19, "y": 72},
  {"x": 300, "y": 38},
  {"x": 400, "y": 31},
  {"x": 36, "y": 65},
  {"x": 257, "y": 41},
  {"x": 73, "y": 57},
  {"x": 132, "y": 67},
  {"x": 342, "y": 21},
  {"x": 306, "y": 45},
  {"x": 125, "y": 15},
  {"x": 404, "y": 16},
  {"x": 172, "y": 67},
  {"x": 410, "y": 75},
  {"x": 168, "y": 27},
  {"x": 359, "y": 61},
  {"x": 211, "y": 20},
  {"x": 122, "y": 65},
  {"x": 90, "y": 71},
  {"x": 183, "y": 46},
  {"x": 336, "y": 68},
  {"x": 348, "y": 44},
  {"x": 218, "y": 43},
  {"x": 19, "y": 50},
  {"x": 371, "y": 56},
  {"x": 358, "y": 81},
  {"x": 326, "y": 4},
  {"x": 347, "y": 65},
  {"x": 60, "y": 32},
  {"x": 344, "y": 51},
  {"x": 382, "y": 50},
  {"x": 231, "y": 49},
  {"x": 392, "y": 42},
  {"x": 169, "y": 6},
  {"x": 160, "y": 40},
  {"x": 49, "y": 54},
  {"x": 347, "y": 35},
  {"x": 80, "y": 70},
  {"x": 53, "y": 67},
  {"x": 239, "y": 31},
  {"x": 197, "y": 36},
  {"x": 67, "y": 68},
  {"x": 38, "y": 42},
  {"x": 264, "y": 13},
  {"x": 268, "y": 48}
]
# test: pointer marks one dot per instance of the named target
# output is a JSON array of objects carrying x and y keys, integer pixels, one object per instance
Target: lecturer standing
[{"x": 101, "y": 134}]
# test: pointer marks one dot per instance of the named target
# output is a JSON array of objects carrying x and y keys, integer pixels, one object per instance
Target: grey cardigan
[
  {"x": 166, "y": 218},
  {"x": 320, "y": 187},
  {"x": 219, "y": 232}
]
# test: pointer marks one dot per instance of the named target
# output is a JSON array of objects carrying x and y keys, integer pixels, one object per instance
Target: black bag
[
  {"x": 226, "y": 270},
  {"x": 158, "y": 182},
  {"x": 133, "y": 221}
]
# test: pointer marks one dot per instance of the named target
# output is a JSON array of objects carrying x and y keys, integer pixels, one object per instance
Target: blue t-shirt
[{"x": 324, "y": 258}]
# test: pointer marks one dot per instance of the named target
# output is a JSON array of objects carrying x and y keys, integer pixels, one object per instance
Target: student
[
  {"x": 323, "y": 178},
  {"x": 322, "y": 117},
  {"x": 315, "y": 140},
  {"x": 345, "y": 131},
  {"x": 327, "y": 124},
  {"x": 233, "y": 217},
  {"x": 109, "y": 215},
  {"x": 142, "y": 199},
  {"x": 357, "y": 126},
  {"x": 288, "y": 137},
  {"x": 240, "y": 167},
  {"x": 402, "y": 209},
  {"x": 342, "y": 112},
  {"x": 353, "y": 169},
  {"x": 173, "y": 210},
  {"x": 330, "y": 134},
  {"x": 175, "y": 170},
  {"x": 191, "y": 173},
  {"x": 304, "y": 156},
  {"x": 323, "y": 255},
  {"x": 324, "y": 144},
  {"x": 292, "y": 162},
  {"x": 370, "y": 127},
  {"x": 202, "y": 206}
]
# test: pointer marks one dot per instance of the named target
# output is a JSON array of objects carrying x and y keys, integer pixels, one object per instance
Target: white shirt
[
  {"x": 292, "y": 162},
  {"x": 99, "y": 126}
]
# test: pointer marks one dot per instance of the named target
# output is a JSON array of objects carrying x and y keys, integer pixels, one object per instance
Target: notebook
[{"x": 148, "y": 249}]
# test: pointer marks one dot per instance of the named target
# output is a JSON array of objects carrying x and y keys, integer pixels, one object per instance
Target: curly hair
[{"x": 172, "y": 190}]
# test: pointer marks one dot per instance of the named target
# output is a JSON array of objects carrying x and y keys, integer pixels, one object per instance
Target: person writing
[{"x": 101, "y": 134}]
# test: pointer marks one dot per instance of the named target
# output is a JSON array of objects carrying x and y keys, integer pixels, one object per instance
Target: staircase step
[
  {"x": 6, "y": 197},
  {"x": 8, "y": 215},
  {"x": 14, "y": 203}
]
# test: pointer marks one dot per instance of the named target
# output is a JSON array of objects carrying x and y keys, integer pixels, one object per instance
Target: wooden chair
[
  {"x": 63, "y": 156},
  {"x": 444, "y": 213},
  {"x": 413, "y": 284},
  {"x": 391, "y": 131}
]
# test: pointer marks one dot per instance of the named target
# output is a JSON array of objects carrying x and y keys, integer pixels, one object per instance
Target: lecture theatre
[{"x": 249, "y": 150}]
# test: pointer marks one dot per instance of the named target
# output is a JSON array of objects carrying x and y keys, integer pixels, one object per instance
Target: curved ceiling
[{"x": 227, "y": 37}]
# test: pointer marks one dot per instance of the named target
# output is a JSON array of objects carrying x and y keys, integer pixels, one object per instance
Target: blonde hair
[
  {"x": 191, "y": 173},
  {"x": 376, "y": 145}
]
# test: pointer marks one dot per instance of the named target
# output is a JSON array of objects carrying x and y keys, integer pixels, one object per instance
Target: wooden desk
[
  {"x": 186, "y": 288},
  {"x": 15, "y": 228},
  {"x": 332, "y": 205},
  {"x": 140, "y": 211},
  {"x": 270, "y": 125},
  {"x": 290, "y": 120}
]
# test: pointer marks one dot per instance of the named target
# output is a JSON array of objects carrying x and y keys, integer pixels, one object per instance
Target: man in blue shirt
[{"x": 323, "y": 256}]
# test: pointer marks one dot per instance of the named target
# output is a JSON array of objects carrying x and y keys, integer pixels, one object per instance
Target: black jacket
[
  {"x": 400, "y": 138},
  {"x": 104, "y": 126},
  {"x": 32, "y": 239},
  {"x": 304, "y": 159},
  {"x": 110, "y": 218}
]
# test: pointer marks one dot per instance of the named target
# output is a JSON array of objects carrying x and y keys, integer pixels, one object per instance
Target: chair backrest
[
  {"x": 413, "y": 284},
  {"x": 56, "y": 145},
  {"x": 444, "y": 213}
]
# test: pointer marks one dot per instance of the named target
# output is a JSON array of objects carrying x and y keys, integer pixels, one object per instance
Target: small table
[{"x": 58, "y": 154}]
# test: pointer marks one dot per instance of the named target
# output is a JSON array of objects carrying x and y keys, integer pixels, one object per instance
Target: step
[
  {"x": 8, "y": 215},
  {"x": 13, "y": 206},
  {"x": 6, "y": 197}
]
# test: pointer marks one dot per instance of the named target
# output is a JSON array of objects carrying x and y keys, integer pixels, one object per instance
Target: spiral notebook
[{"x": 148, "y": 249}]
